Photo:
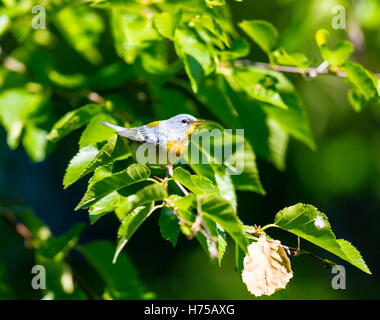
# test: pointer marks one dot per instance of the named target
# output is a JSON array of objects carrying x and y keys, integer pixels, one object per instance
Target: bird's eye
[{"x": 184, "y": 120}]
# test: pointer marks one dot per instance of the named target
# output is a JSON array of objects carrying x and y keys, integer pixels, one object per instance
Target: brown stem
[
  {"x": 21, "y": 229},
  {"x": 170, "y": 173},
  {"x": 308, "y": 72},
  {"x": 295, "y": 252}
]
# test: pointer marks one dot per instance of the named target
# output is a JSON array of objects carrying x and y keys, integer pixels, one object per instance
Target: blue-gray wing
[{"x": 143, "y": 134}]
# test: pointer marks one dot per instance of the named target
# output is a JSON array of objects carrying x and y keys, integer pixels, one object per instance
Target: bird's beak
[{"x": 198, "y": 123}]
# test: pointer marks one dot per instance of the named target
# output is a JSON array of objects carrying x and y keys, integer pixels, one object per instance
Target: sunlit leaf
[
  {"x": 153, "y": 192},
  {"x": 82, "y": 27},
  {"x": 35, "y": 142},
  {"x": 195, "y": 183},
  {"x": 133, "y": 174},
  {"x": 307, "y": 222},
  {"x": 336, "y": 56},
  {"x": 74, "y": 120},
  {"x": 16, "y": 106},
  {"x": 129, "y": 224},
  {"x": 90, "y": 157},
  {"x": 166, "y": 23},
  {"x": 220, "y": 211},
  {"x": 262, "y": 32}
]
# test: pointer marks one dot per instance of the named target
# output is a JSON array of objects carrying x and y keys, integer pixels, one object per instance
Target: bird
[{"x": 168, "y": 138}]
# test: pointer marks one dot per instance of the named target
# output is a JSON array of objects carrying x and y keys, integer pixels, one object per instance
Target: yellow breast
[{"x": 177, "y": 147}]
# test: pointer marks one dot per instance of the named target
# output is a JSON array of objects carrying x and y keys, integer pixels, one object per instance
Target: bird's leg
[
  {"x": 169, "y": 168},
  {"x": 160, "y": 179}
]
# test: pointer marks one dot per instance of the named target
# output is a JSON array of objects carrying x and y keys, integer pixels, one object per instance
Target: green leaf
[
  {"x": 104, "y": 205},
  {"x": 337, "y": 56},
  {"x": 82, "y": 27},
  {"x": 236, "y": 111},
  {"x": 133, "y": 33},
  {"x": 58, "y": 247},
  {"x": 215, "y": 3},
  {"x": 68, "y": 81},
  {"x": 262, "y": 32},
  {"x": 39, "y": 231},
  {"x": 166, "y": 23},
  {"x": 130, "y": 224},
  {"x": 249, "y": 179},
  {"x": 322, "y": 37},
  {"x": 221, "y": 245},
  {"x": 294, "y": 119},
  {"x": 90, "y": 157},
  {"x": 356, "y": 99},
  {"x": 220, "y": 211},
  {"x": 78, "y": 164},
  {"x": 216, "y": 173},
  {"x": 35, "y": 142},
  {"x": 5, "y": 289},
  {"x": 16, "y": 106},
  {"x": 169, "y": 226},
  {"x": 196, "y": 183},
  {"x": 109, "y": 202},
  {"x": 195, "y": 56},
  {"x": 121, "y": 280},
  {"x": 74, "y": 120},
  {"x": 185, "y": 203},
  {"x": 50, "y": 252},
  {"x": 169, "y": 102},
  {"x": 259, "y": 86},
  {"x": 307, "y": 222},
  {"x": 239, "y": 48},
  {"x": 224, "y": 181},
  {"x": 153, "y": 192},
  {"x": 239, "y": 258},
  {"x": 133, "y": 174},
  {"x": 95, "y": 131},
  {"x": 363, "y": 81},
  {"x": 299, "y": 60}
]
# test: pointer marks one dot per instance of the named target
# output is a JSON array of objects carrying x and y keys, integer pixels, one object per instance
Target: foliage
[
  {"x": 170, "y": 57},
  {"x": 120, "y": 281}
]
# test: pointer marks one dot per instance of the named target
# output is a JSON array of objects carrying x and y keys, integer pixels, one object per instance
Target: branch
[
  {"x": 199, "y": 225},
  {"x": 20, "y": 228},
  {"x": 9, "y": 217},
  {"x": 291, "y": 251},
  {"x": 182, "y": 188},
  {"x": 308, "y": 72},
  {"x": 296, "y": 251}
]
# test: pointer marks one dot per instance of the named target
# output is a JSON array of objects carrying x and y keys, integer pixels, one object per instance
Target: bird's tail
[{"x": 113, "y": 126}]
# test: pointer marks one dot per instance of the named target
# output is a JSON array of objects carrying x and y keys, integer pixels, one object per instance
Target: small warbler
[{"x": 168, "y": 138}]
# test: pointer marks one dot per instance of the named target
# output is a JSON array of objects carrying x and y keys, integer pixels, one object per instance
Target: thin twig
[
  {"x": 199, "y": 222},
  {"x": 212, "y": 249},
  {"x": 308, "y": 72},
  {"x": 170, "y": 173},
  {"x": 21, "y": 229},
  {"x": 181, "y": 221},
  {"x": 296, "y": 252}
]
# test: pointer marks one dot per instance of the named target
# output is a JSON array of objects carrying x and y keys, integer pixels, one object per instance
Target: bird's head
[{"x": 184, "y": 123}]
